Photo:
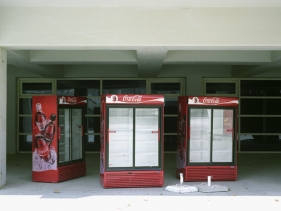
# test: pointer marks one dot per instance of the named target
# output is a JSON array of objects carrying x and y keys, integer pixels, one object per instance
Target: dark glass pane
[
  {"x": 170, "y": 124},
  {"x": 260, "y": 88},
  {"x": 93, "y": 124},
  {"x": 93, "y": 106},
  {"x": 260, "y": 106},
  {"x": 25, "y": 143},
  {"x": 165, "y": 88},
  {"x": 261, "y": 143},
  {"x": 124, "y": 86},
  {"x": 25, "y": 106},
  {"x": 92, "y": 143},
  {"x": 25, "y": 125},
  {"x": 220, "y": 88},
  {"x": 78, "y": 87},
  {"x": 170, "y": 143},
  {"x": 171, "y": 106},
  {"x": 260, "y": 124},
  {"x": 36, "y": 88}
]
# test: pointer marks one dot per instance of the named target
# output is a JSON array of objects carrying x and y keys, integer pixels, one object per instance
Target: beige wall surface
[{"x": 94, "y": 27}]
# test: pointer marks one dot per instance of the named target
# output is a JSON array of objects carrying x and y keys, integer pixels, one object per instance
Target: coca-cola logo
[
  {"x": 72, "y": 99},
  {"x": 211, "y": 100},
  {"x": 114, "y": 98},
  {"x": 135, "y": 98}
]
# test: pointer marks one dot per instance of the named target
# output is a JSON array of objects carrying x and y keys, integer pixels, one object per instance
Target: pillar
[{"x": 3, "y": 115}]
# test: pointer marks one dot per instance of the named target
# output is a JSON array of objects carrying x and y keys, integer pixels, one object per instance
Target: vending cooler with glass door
[
  {"x": 131, "y": 153},
  {"x": 57, "y": 138},
  {"x": 207, "y": 138}
]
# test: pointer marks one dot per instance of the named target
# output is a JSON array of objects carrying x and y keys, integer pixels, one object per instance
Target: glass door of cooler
[
  {"x": 120, "y": 137},
  {"x": 76, "y": 134},
  {"x": 222, "y": 149},
  {"x": 147, "y": 137},
  {"x": 211, "y": 135},
  {"x": 64, "y": 139},
  {"x": 70, "y": 142},
  {"x": 200, "y": 135}
]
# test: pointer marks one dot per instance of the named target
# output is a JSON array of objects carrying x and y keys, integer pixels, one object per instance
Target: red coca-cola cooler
[
  {"x": 207, "y": 138},
  {"x": 131, "y": 153},
  {"x": 57, "y": 138}
]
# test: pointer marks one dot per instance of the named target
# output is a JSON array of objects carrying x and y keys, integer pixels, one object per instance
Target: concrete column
[{"x": 3, "y": 115}]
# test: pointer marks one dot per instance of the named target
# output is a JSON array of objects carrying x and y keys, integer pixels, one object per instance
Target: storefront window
[
  {"x": 124, "y": 86},
  {"x": 78, "y": 87},
  {"x": 166, "y": 88},
  {"x": 36, "y": 88}
]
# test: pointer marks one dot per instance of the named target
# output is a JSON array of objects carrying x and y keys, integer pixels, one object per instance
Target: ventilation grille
[
  {"x": 133, "y": 179},
  {"x": 200, "y": 173},
  {"x": 72, "y": 171}
]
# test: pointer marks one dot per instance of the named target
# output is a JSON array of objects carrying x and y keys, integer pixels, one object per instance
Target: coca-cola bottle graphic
[
  {"x": 50, "y": 129},
  {"x": 43, "y": 149},
  {"x": 40, "y": 118}
]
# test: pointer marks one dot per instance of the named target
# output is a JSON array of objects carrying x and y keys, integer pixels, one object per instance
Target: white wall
[
  {"x": 194, "y": 75},
  {"x": 117, "y": 71}
]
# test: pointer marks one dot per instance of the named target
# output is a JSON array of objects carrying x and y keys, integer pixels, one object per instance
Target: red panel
[
  {"x": 126, "y": 179},
  {"x": 61, "y": 174},
  {"x": 45, "y": 176},
  {"x": 72, "y": 100},
  {"x": 208, "y": 100},
  {"x": 134, "y": 99},
  {"x": 71, "y": 171},
  {"x": 200, "y": 173}
]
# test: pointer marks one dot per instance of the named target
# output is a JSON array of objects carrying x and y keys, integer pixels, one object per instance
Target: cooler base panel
[
  {"x": 45, "y": 176},
  {"x": 201, "y": 173},
  {"x": 71, "y": 171},
  {"x": 132, "y": 179},
  {"x": 61, "y": 174}
]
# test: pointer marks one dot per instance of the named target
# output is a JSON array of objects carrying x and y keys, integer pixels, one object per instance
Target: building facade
[{"x": 175, "y": 48}]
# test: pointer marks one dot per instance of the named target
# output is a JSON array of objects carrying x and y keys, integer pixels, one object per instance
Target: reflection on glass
[
  {"x": 93, "y": 124},
  {"x": 260, "y": 124},
  {"x": 25, "y": 124},
  {"x": 166, "y": 88},
  {"x": 146, "y": 137},
  {"x": 92, "y": 143},
  {"x": 260, "y": 106},
  {"x": 25, "y": 143},
  {"x": 255, "y": 143},
  {"x": 222, "y": 135},
  {"x": 220, "y": 88},
  {"x": 25, "y": 106},
  {"x": 120, "y": 132},
  {"x": 170, "y": 143},
  {"x": 260, "y": 88},
  {"x": 93, "y": 106},
  {"x": 124, "y": 86},
  {"x": 171, "y": 106},
  {"x": 170, "y": 124},
  {"x": 78, "y": 87},
  {"x": 200, "y": 129},
  {"x": 37, "y": 88}
]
